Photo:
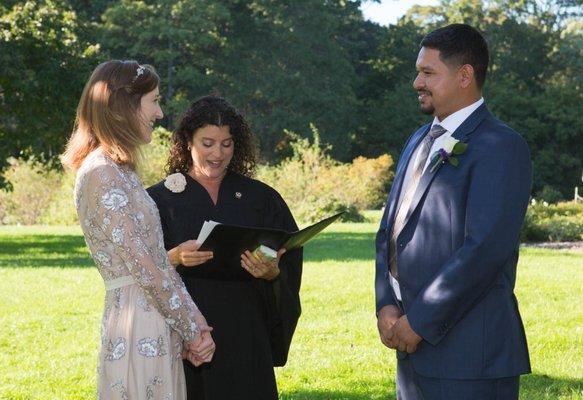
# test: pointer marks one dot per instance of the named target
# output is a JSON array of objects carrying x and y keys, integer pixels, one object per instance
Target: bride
[{"x": 149, "y": 321}]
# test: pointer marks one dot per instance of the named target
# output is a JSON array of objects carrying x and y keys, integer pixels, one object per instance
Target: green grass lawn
[{"x": 51, "y": 301}]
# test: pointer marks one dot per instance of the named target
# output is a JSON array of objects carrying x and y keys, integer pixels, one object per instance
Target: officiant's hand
[
  {"x": 388, "y": 316},
  {"x": 259, "y": 266},
  {"x": 404, "y": 336},
  {"x": 187, "y": 254}
]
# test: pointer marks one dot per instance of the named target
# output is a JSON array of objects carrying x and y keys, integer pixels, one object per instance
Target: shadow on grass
[
  {"x": 532, "y": 387},
  {"x": 341, "y": 246},
  {"x": 333, "y": 395},
  {"x": 17, "y": 251},
  {"x": 537, "y": 386},
  {"x": 70, "y": 250}
]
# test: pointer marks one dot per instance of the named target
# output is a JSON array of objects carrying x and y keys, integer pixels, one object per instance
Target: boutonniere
[
  {"x": 451, "y": 148},
  {"x": 175, "y": 182}
]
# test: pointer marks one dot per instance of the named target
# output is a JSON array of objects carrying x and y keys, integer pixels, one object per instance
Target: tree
[
  {"x": 183, "y": 39},
  {"x": 389, "y": 110},
  {"x": 43, "y": 66},
  {"x": 288, "y": 64},
  {"x": 286, "y": 68},
  {"x": 534, "y": 80}
]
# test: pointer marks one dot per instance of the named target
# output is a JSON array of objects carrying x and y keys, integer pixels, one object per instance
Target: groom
[{"x": 447, "y": 246}]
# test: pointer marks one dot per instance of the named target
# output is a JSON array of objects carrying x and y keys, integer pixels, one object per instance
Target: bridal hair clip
[{"x": 139, "y": 72}]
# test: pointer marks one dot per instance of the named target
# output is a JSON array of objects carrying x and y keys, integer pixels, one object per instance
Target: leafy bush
[
  {"x": 3, "y": 211},
  {"x": 315, "y": 186},
  {"x": 60, "y": 209},
  {"x": 155, "y": 155},
  {"x": 45, "y": 196},
  {"x": 555, "y": 222},
  {"x": 550, "y": 195},
  {"x": 362, "y": 183},
  {"x": 32, "y": 188}
]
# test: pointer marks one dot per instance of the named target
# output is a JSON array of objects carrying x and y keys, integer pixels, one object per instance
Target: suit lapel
[
  {"x": 402, "y": 170},
  {"x": 461, "y": 133}
]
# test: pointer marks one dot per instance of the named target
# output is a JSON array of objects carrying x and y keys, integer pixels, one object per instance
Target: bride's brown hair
[{"x": 107, "y": 114}]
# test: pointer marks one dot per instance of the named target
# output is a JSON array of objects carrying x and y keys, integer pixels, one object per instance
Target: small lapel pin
[{"x": 238, "y": 195}]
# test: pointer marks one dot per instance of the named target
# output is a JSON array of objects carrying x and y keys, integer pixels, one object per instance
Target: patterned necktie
[{"x": 418, "y": 167}]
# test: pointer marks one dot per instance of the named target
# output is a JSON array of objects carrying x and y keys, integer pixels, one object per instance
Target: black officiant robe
[{"x": 253, "y": 319}]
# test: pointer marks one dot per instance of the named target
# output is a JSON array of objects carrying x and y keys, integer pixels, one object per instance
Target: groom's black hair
[{"x": 461, "y": 44}]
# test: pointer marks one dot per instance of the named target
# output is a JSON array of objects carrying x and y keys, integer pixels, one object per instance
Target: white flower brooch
[{"x": 175, "y": 182}]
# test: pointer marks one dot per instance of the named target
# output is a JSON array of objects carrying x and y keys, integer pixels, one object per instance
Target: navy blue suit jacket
[{"x": 457, "y": 254}]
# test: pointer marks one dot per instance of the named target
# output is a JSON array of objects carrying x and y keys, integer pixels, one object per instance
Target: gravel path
[{"x": 572, "y": 246}]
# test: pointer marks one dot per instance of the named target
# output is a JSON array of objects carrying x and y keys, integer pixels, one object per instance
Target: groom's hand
[
  {"x": 404, "y": 336},
  {"x": 388, "y": 316}
]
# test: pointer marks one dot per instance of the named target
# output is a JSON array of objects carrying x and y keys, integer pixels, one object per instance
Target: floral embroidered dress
[{"x": 148, "y": 312}]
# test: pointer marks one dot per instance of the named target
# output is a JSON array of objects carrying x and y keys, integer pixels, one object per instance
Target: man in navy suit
[{"x": 447, "y": 246}]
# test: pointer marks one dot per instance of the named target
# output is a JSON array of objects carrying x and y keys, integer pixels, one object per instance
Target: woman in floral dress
[{"x": 149, "y": 320}]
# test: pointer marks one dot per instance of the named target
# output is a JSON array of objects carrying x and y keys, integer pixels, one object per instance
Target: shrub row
[
  {"x": 313, "y": 184},
  {"x": 561, "y": 222}
]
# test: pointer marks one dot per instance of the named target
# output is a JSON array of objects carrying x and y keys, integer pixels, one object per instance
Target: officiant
[{"x": 253, "y": 308}]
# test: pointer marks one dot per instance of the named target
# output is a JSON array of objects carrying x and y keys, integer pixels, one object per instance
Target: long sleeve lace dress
[{"x": 147, "y": 313}]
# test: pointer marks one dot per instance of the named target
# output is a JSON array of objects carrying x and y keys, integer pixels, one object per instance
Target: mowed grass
[{"x": 51, "y": 299}]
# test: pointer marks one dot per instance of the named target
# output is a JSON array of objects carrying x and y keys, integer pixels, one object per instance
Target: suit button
[{"x": 401, "y": 245}]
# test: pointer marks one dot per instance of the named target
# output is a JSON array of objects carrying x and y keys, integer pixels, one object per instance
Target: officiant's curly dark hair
[{"x": 213, "y": 110}]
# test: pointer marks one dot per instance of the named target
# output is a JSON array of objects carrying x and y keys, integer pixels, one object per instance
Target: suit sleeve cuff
[{"x": 430, "y": 333}]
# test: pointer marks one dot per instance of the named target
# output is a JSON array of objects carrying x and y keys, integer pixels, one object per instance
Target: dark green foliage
[
  {"x": 285, "y": 66},
  {"x": 183, "y": 39},
  {"x": 43, "y": 64},
  {"x": 288, "y": 64},
  {"x": 549, "y": 195}
]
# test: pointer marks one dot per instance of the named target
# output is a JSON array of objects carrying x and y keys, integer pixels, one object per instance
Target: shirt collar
[{"x": 452, "y": 122}]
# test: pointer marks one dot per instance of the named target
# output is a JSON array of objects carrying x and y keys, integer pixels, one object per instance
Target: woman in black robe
[{"x": 253, "y": 309}]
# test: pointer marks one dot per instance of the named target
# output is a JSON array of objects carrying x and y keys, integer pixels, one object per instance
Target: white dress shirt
[{"x": 450, "y": 123}]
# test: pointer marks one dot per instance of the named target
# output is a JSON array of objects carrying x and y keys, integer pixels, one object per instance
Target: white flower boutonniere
[
  {"x": 449, "y": 143},
  {"x": 451, "y": 148},
  {"x": 175, "y": 182}
]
